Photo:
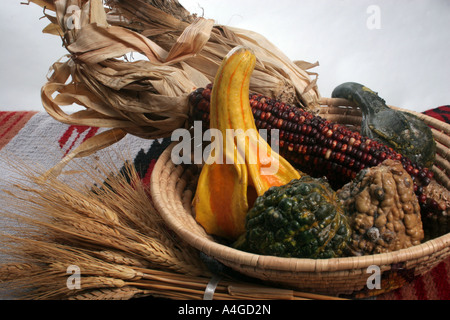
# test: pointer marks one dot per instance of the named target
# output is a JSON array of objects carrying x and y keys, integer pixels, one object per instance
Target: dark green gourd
[
  {"x": 302, "y": 219},
  {"x": 402, "y": 131}
]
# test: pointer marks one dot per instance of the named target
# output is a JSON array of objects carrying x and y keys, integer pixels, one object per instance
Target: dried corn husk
[{"x": 148, "y": 97}]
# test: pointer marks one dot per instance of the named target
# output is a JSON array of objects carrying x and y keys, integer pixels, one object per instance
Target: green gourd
[
  {"x": 302, "y": 219},
  {"x": 402, "y": 131}
]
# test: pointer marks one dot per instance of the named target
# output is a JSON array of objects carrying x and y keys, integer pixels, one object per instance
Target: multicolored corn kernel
[{"x": 315, "y": 145}]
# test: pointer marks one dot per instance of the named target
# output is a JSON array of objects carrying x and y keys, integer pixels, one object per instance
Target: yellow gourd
[{"x": 242, "y": 166}]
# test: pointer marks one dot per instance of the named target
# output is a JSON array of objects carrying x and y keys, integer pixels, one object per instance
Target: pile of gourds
[{"x": 286, "y": 212}]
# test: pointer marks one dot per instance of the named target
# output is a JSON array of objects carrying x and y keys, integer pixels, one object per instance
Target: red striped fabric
[
  {"x": 75, "y": 135},
  {"x": 433, "y": 285},
  {"x": 442, "y": 113},
  {"x": 11, "y": 123}
]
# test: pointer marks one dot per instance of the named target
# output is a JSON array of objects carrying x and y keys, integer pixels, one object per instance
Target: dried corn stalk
[{"x": 148, "y": 97}]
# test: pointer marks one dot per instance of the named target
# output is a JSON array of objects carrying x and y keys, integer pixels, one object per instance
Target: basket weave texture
[{"x": 173, "y": 187}]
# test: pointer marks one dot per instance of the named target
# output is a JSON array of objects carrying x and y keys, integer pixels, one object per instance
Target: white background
[{"x": 406, "y": 59}]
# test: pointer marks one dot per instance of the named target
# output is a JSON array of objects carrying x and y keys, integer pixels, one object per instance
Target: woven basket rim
[{"x": 215, "y": 249}]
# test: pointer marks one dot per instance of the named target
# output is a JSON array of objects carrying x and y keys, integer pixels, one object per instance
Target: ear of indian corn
[
  {"x": 317, "y": 146},
  {"x": 227, "y": 188}
]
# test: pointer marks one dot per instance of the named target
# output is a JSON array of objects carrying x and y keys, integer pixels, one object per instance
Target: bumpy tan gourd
[
  {"x": 383, "y": 210},
  {"x": 436, "y": 223}
]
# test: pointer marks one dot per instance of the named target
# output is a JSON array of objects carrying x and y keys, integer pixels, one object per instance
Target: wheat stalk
[
  {"x": 14, "y": 270},
  {"x": 119, "y": 215},
  {"x": 121, "y": 259},
  {"x": 114, "y": 235},
  {"x": 125, "y": 293}
]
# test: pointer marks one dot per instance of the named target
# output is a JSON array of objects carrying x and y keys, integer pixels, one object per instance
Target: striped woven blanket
[{"x": 36, "y": 138}]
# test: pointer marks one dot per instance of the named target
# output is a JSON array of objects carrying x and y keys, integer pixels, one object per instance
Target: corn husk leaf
[
  {"x": 48, "y": 4},
  {"x": 179, "y": 52},
  {"x": 52, "y": 29}
]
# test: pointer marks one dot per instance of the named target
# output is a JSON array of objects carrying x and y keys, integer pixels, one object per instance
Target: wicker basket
[{"x": 173, "y": 188}]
